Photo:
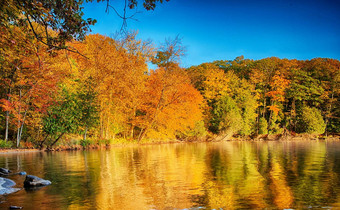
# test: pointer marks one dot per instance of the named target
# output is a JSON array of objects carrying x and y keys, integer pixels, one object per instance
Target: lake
[{"x": 222, "y": 175}]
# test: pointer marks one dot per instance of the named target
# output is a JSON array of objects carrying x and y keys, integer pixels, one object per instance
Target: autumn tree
[
  {"x": 213, "y": 85},
  {"x": 118, "y": 71},
  {"x": 29, "y": 80},
  {"x": 262, "y": 74},
  {"x": 170, "y": 104},
  {"x": 278, "y": 86}
]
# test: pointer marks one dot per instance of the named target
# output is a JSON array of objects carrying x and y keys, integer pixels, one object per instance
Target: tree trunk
[
  {"x": 270, "y": 116},
  {"x": 328, "y": 114},
  {"x": 21, "y": 128},
  {"x": 18, "y": 133},
  {"x": 56, "y": 140},
  {"x": 264, "y": 103},
  {"x": 42, "y": 142},
  {"x": 132, "y": 131},
  {"x": 85, "y": 133},
  {"x": 292, "y": 115},
  {"x": 7, "y": 116},
  {"x": 7, "y": 124},
  {"x": 258, "y": 121},
  {"x": 142, "y": 134}
]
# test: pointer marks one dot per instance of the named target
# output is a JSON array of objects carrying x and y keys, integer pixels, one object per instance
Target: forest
[{"x": 57, "y": 87}]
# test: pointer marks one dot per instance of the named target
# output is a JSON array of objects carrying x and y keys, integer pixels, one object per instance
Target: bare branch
[{"x": 123, "y": 16}]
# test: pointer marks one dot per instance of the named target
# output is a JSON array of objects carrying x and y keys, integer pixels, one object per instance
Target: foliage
[
  {"x": 245, "y": 97},
  {"x": 85, "y": 143},
  {"x": 170, "y": 104},
  {"x": 5, "y": 144},
  {"x": 263, "y": 126},
  {"x": 312, "y": 120},
  {"x": 227, "y": 116},
  {"x": 197, "y": 132},
  {"x": 111, "y": 94},
  {"x": 275, "y": 124},
  {"x": 64, "y": 17},
  {"x": 62, "y": 117}
]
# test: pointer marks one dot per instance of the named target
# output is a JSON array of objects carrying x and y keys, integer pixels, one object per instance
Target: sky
[{"x": 224, "y": 29}]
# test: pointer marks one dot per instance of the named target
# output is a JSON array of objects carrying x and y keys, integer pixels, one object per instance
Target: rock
[
  {"x": 4, "y": 171},
  {"x": 19, "y": 173},
  {"x": 15, "y": 207},
  {"x": 6, "y": 186},
  {"x": 34, "y": 181}
]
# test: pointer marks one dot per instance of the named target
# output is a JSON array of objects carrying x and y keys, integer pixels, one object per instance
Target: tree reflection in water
[{"x": 229, "y": 175}]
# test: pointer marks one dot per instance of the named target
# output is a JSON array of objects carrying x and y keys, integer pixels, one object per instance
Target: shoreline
[
  {"x": 262, "y": 138},
  {"x": 18, "y": 150}
]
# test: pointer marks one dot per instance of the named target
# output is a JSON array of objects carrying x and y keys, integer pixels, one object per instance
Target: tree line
[
  {"x": 269, "y": 96},
  {"x": 105, "y": 90}
]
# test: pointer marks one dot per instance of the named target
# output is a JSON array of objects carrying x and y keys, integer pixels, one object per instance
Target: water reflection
[{"x": 230, "y": 175}]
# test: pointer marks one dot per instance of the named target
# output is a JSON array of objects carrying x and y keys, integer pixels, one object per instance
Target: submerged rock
[
  {"x": 6, "y": 186},
  {"x": 34, "y": 181},
  {"x": 4, "y": 171}
]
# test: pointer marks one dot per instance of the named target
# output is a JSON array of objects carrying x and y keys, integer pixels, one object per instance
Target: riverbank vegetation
[{"x": 55, "y": 88}]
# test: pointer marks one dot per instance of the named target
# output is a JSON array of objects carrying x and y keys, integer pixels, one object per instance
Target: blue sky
[{"x": 222, "y": 30}]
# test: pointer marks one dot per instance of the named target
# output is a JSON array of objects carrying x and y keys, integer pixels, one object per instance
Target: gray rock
[
  {"x": 4, "y": 171},
  {"x": 34, "y": 181},
  {"x": 6, "y": 186}
]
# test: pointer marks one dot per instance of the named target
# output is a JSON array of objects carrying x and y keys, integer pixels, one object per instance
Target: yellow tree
[{"x": 119, "y": 75}]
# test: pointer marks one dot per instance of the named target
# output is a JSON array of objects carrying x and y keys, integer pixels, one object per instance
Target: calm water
[{"x": 230, "y": 175}]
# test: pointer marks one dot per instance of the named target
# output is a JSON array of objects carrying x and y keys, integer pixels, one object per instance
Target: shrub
[
  {"x": 4, "y": 144},
  {"x": 85, "y": 143},
  {"x": 312, "y": 121},
  {"x": 198, "y": 132}
]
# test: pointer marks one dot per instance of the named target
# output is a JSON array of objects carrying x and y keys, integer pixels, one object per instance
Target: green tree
[
  {"x": 86, "y": 98},
  {"x": 62, "y": 117},
  {"x": 244, "y": 95},
  {"x": 263, "y": 126},
  {"x": 303, "y": 89},
  {"x": 240, "y": 66},
  {"x": 312, "y": 121},
  {"x": 227, "y": 117}
]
